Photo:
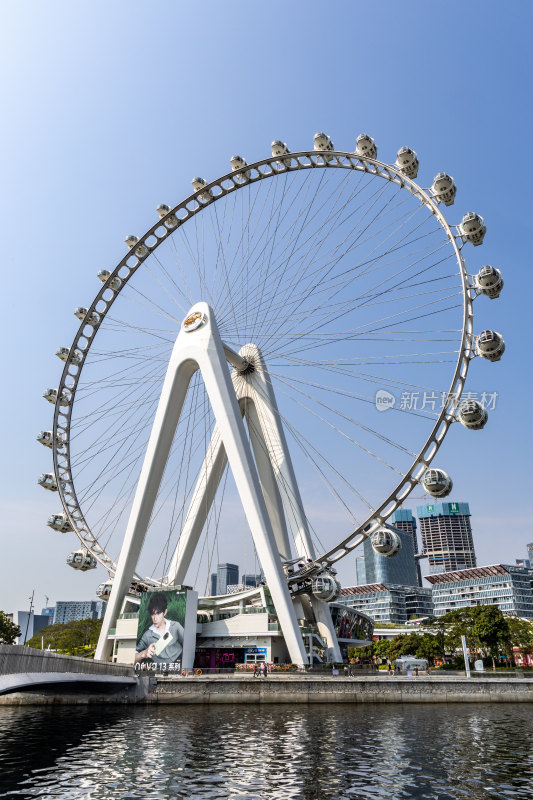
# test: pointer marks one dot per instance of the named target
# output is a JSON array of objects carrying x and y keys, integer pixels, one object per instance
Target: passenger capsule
[
  {"x": 472, "y": 415},
  {"x": 59, "y": 522},
  {"x": 437, "y": 483},
  {"x": 407, "y": 162},
  {"x": 489, "y": 281},
  {"x": 280, "y": 148},
  {"x": 490, "y": 345},
  {"x": 444, "y": 188},
  {"x": 48, "y": 481},
  {"x": 366, "y": 146},
  {"x": 238, "y": 162},
  {"x": 103, "y": 590},
  {"x": 473, "y": 228},
  {"x": 200, "y": 183},
  {"x": 83, "y": 315},
  {"x": 82, "y": 560},
  {"x": 169, "y": 220},
  {"x": 114, "y": 284},
  {"x": 46, "y": 438},
  {"x": 63, "y": 354},
  {"x": 323, "y": 142},
  {"x": 51, "y": 396},
  {"x": 140, "y": 250},
  {"x": 325, "y": 586},
  {"x": 386, "y": 542}
]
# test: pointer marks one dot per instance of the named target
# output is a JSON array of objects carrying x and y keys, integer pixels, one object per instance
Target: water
[{"x": 432, "y": 752}]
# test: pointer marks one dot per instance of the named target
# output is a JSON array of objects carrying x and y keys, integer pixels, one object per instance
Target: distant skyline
[{"x": 111, "y": 109}]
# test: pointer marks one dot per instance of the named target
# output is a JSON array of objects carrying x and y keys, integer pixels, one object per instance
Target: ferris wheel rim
[{"x": 160, "y": 232}]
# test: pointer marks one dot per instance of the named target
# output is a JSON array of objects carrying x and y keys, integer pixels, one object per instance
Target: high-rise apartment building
[
  {"x": 71, "y": 610},
  {"x": 226, "y": 574},
  {"x": 403, "y": 520},
  {"x": 447, "y": 536},
  {"x": 213, "y": 584}
]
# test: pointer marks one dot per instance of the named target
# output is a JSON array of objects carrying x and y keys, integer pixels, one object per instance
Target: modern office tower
[
  {"x": 447, "y": 536},
  {"x": 71, "y": 610},
  {"x": 530, "y": 552},
  {"x": 388, "y": 603},
  {"x": 508, "y": 587},
  {"x": 251, "y": 581},
  {"x": 49, "y": 611},
  {"x": 360, "y": 573},
  {"x": 400, "y": 569},
  {"x": 226, "y": 574},
  {"x": 213, "y": 584},
  {"x": 29, "y": 624},
  {"x": 403, "y": 520}
]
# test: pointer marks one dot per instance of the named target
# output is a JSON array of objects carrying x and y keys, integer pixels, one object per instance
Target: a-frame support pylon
[{"x": 199, "y": 346}]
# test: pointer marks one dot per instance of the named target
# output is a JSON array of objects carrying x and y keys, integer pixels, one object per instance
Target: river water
[{"x": 330, "y": 752}]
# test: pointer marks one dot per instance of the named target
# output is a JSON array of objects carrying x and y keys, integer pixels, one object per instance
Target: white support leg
[
  {"x": 204, "y": 493},
  {"x": 257, "y": 387}
]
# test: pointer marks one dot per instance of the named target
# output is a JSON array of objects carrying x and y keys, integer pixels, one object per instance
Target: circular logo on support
[{"x": 193, "y": 321}]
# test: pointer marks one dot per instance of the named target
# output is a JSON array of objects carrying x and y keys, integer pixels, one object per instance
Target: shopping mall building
[{"x": 243, "y": 628}]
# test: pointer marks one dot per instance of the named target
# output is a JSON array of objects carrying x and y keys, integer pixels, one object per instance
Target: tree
[
  {"x": 438, "y": 629},
  {"x": 8, "y": 630},
  {"x": 382, "y": 648},
  {"x": 77, "y": 638},
  {"x": 428, "y": 647},
  {"x": 491, "y": 629},
  {"x": 520, "y": 634}
]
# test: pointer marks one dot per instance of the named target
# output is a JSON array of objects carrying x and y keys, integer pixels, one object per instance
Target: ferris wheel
[{"x": 324, "y": 297}]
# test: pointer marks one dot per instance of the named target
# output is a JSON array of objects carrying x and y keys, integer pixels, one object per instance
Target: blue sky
[{"x": 110, "y": 109}]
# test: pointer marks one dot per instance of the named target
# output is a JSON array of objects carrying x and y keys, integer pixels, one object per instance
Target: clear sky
[{"x": 112, "y": 108}]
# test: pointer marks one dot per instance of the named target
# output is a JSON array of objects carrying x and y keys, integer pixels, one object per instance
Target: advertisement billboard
[{"x": 166, "y": 632}]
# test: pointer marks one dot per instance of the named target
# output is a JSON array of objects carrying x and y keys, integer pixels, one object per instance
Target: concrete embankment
[{"x": 299, "y": 689}]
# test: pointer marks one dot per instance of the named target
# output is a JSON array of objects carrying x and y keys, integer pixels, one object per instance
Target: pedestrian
[
  {"x": 256, "y": 670},
  {"x": 416, "y": 671},
  {"x": 391, "y": 671}
]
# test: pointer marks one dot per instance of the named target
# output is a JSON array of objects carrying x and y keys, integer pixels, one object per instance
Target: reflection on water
[{"x": 264, "y": 753}]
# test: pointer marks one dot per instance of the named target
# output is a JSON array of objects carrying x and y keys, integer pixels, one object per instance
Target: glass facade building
[
  {"x": 447, "y": 536},
  {"x": 388, "y": 603},
  {"x": 227, "y": 574},
  {"x": 400, "y": 569},
  {"x": 403, "y": 520},
  {"x": 508, "y": 587}
]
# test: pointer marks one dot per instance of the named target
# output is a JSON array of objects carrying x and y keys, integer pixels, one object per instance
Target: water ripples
[{"x": 337, "y": 752}]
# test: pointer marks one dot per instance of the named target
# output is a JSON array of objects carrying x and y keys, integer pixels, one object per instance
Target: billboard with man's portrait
[{"x": 166, "y": 632}]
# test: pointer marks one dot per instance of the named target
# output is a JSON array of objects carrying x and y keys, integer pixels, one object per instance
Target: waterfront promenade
[{"x": 295, "y": 689}]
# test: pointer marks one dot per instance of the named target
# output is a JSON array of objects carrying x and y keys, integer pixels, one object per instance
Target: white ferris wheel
[{"x": 230, "y": 375}]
